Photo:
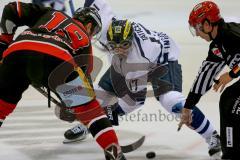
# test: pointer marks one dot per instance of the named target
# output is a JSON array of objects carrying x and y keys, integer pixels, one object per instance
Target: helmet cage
[
  {"x": 90, "y": 15},
  {"x": 120, "y": 35}
]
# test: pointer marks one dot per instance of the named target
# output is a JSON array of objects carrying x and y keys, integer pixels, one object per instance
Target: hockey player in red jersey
[{"x": 54, "y": 42}]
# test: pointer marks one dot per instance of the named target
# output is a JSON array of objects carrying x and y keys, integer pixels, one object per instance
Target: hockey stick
[
  {"x": 71, "y": 6},
  {"x": 45, "y": 94},
  {"x": 133, "y": 146},
  {"x": 125, "y": 149}
]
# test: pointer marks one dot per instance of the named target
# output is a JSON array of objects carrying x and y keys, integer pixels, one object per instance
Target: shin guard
[{"x": 100, "y": 127}]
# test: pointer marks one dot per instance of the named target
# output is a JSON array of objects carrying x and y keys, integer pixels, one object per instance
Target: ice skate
[
  {"x": 214, "y": 146},
  {"x": 75, "y": 134}
]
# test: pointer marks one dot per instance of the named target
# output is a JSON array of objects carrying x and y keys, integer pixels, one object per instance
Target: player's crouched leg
[
  {"x": 229, "y": 107},
  {"x": 173, "y": 102},
  {"x": 80, "y": 132},
  {"x": 93, "y": 116}
]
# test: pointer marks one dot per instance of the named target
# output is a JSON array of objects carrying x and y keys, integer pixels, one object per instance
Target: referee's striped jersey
[{"x": 223, "y": 50}]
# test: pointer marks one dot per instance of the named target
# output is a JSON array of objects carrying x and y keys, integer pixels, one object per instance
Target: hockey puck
[{"x": 151, "y": 155}]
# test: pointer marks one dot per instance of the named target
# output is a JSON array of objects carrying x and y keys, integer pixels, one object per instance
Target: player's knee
[
  {"x": 89, "y": 112},
  {"x": 172, "y": 101}
]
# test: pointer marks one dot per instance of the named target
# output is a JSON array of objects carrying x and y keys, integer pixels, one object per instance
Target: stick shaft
[{"x": 71, "y": 5}]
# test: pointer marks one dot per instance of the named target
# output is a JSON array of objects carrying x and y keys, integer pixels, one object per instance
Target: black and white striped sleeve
[{"x": 204, "y": 80}]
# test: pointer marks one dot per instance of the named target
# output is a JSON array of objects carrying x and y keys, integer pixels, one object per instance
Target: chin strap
[{"x": 210, "y": 33}]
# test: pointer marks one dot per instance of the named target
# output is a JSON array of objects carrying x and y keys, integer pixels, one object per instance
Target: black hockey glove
[{"x": 64, "y": 114}]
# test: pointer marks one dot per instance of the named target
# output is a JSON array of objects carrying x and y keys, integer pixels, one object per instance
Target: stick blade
[{"x": 133, "y": 146}]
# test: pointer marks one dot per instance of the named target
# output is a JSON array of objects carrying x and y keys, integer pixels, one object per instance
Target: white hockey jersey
[{"x": 149, "y": 48}]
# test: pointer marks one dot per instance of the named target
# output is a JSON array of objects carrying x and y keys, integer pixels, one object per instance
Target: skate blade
[{"x": 79, "y": 139}]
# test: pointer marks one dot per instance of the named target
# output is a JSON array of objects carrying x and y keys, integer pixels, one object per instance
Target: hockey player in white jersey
[{"x": 141, "y": 56}]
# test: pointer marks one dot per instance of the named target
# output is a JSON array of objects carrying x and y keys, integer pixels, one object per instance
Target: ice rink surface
[{"x": 33, "y": 132}]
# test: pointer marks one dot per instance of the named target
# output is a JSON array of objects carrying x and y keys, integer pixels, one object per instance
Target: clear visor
[
  {"x": 195, "y": 29},
  {"x": 96, "y": 34},
  {"x": 120, "y": 48},
  {"x": 126, "y": 44}
]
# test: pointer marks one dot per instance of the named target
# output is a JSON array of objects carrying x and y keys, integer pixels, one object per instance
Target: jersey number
[{"x": 71, "y": 30}]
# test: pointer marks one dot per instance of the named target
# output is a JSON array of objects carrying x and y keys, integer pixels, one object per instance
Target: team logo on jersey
[
  {"x": 72, "y": 91},
  {"x": 118, "y": 29},
  {"x": 217, "y": 52}
]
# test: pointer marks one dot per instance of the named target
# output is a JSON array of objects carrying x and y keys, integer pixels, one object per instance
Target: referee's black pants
[{"x": 229, "y": 107}]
